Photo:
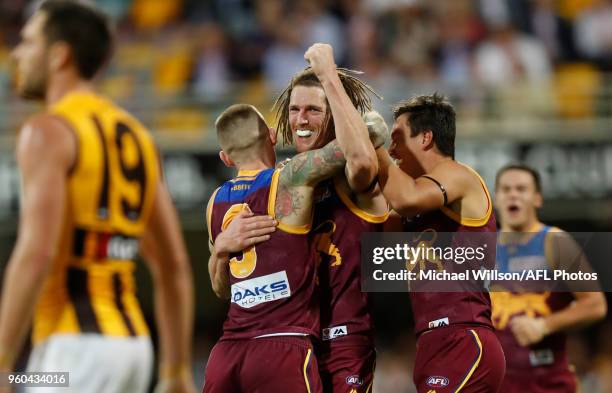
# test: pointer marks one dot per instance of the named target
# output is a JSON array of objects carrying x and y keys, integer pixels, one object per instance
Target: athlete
[
  {"x": 457, "y": 349},
  {"x": 274, "y": 310},
  {"x": 319, "y": 104},
  {"x": 531, "y": 325},
  {"x": 92, "y": 190}
]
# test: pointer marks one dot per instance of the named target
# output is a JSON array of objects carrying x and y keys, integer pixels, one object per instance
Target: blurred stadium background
[{"x": 531, "y": 81}]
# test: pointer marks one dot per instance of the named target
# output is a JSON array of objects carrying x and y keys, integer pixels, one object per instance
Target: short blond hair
[{"x": 241, "y": 129}]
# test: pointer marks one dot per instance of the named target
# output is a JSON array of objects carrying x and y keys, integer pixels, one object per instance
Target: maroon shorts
[
  {"x": 540, "y": 380},
  {"x": 347, "y": 368},
  {"x": 468, "y": 359},
  {"x": 263, "y": 365}
]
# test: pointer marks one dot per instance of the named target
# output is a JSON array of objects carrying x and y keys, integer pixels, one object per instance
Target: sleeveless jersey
[
  {"x": 339, "y": 224},
  {"x": 273, "y": 288},
  {"x": 550, "y": 352},
  {"x": 110, "y": 191},
  {"x": 435, "y": 309}
]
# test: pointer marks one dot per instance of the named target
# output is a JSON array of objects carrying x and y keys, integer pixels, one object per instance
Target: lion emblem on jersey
[{"x": 324, "y": 245}]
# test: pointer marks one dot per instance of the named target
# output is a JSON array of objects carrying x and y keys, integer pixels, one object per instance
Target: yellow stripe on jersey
[
  {"x": 472, "y": 222},
  {"x": 110, "y": 193},
  {"x": 293, "y": 229},
  {"x": 476, "y": 362},
  {"x": 306, "y": 368},
  {"x": 364, "y": 215}
]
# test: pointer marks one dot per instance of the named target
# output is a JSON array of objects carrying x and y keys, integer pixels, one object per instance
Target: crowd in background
[{"x": 494, "y": 58}]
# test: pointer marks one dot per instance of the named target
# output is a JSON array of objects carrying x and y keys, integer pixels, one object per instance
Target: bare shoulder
[
  {"x": 44, "y": 135},
  {"x": 371, "y": 201}
]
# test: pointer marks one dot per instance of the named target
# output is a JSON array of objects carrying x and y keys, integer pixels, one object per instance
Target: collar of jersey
[{"x": 252, "y": 172}]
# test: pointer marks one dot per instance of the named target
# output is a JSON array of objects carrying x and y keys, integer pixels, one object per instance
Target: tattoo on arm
[
  {"x": 301, "y": 174},
  {"x": 311, "y": 167}
]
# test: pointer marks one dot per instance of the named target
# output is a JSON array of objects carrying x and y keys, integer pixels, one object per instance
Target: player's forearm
[
  {"x": 23, "y": 282},
  {"x": 582, "y": 312},
  {"x": 352, "y": 135},
  {"x": 174, "y": 306},
  {"x": 396, "y": 186},
  {"x": 219, "y": 277}
]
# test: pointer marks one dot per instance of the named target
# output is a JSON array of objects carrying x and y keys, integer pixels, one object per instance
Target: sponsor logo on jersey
[
  {"x": 258, "y": 290},
  {"x": 334, "y": 332},
  {"x": 354, "y": 380},
  {"x": 541, "y": 357},
  {"x": 438, "y": 323},
  {"x": 436, "y": 381},
  {"x": 121, "y": 247}
]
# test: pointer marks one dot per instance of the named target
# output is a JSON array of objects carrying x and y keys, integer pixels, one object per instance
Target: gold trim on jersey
[
  {"x": 293, "y": 229},
  {"x": 471, "y": 222},
  {"x": 306, "y": 361},
  {"x": 476, "y": 363},
  {"x": 364, "y": 215},
  {"x": 209, "y": 210}
]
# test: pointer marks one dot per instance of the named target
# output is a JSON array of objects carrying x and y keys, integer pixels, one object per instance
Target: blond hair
[
  {"x": 241, "y": 129},
  {"x": 355, "y": 88}
]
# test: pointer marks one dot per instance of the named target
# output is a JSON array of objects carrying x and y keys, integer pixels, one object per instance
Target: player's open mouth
[
  {"x": 513, "y": 209},
  {"x": 304, "y": 133}
]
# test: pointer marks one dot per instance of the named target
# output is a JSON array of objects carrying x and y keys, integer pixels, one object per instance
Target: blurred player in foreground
[
  {"x": 320, "y": 104},
  {"x": 274, "y": 310},
  {"x": 457, "y": 349},
  {"x": 92, "y": 190},
  {"x": 531, "y": 325}
]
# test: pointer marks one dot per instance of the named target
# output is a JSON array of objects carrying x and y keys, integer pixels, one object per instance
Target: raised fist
[{"x": 377, "y": 128}]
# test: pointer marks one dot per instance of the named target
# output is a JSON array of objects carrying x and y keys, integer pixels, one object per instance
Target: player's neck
[
  {"x": 62, "y": 84},
  {"x": 252, "y": 166},
  {"x": 532, "y": 225},
  {"x": 433, "y": 160}
]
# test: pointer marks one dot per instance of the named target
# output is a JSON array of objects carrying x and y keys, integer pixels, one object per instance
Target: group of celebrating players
[{"x": 284, "y": 239}]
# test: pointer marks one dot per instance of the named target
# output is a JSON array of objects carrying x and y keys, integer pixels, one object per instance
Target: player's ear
[
  {"x": 427, "y": 139},
  {"x": 538, "y": 200},
  {"x": 273, "y": 137},
  {"x": 59, "y": 53},
  {"x": 226, "y": 159}
]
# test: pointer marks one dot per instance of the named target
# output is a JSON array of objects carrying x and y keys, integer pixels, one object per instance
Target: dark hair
[
  {"x": 355, "y": 88},
  {"x": 431, "y": 113},
  {"x": 521, "y": 167},
  {"x": 83, "y": 28}
]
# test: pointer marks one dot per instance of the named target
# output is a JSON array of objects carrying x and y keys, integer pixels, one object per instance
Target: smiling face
[
  {"x": 31, "y": 59},
  {"x": 517, "y": 199},
  {"x": 406, "y": 148},
  {"x": 307, "y": 117}
]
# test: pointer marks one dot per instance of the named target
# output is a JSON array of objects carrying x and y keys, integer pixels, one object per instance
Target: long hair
[{"x": 357, "y": 90}]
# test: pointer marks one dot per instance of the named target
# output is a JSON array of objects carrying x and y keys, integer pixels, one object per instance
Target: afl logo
[
  {"x": 354, "y": 380},
  {"x": 240, "y": 266},
  {"x": 437, "y": 381}
]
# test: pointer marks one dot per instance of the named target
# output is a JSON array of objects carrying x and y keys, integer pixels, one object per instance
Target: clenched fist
[
  {"x": 528, "y": 330},
  {"x": 321, "y": 59},
  {"x": 377, "y": 128}
]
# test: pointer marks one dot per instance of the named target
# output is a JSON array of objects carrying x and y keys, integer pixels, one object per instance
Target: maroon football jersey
[
  {"x": 550, "y": 353},
  {"x": 338, "y": 225},
  {"x": 435, "y": 309},
  {"x": 273, "y": 287}
]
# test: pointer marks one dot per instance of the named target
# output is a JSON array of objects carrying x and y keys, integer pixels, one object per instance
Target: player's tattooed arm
[
  {"x": 311, "y": 167},
  {"x": 298, "y": 178}
]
